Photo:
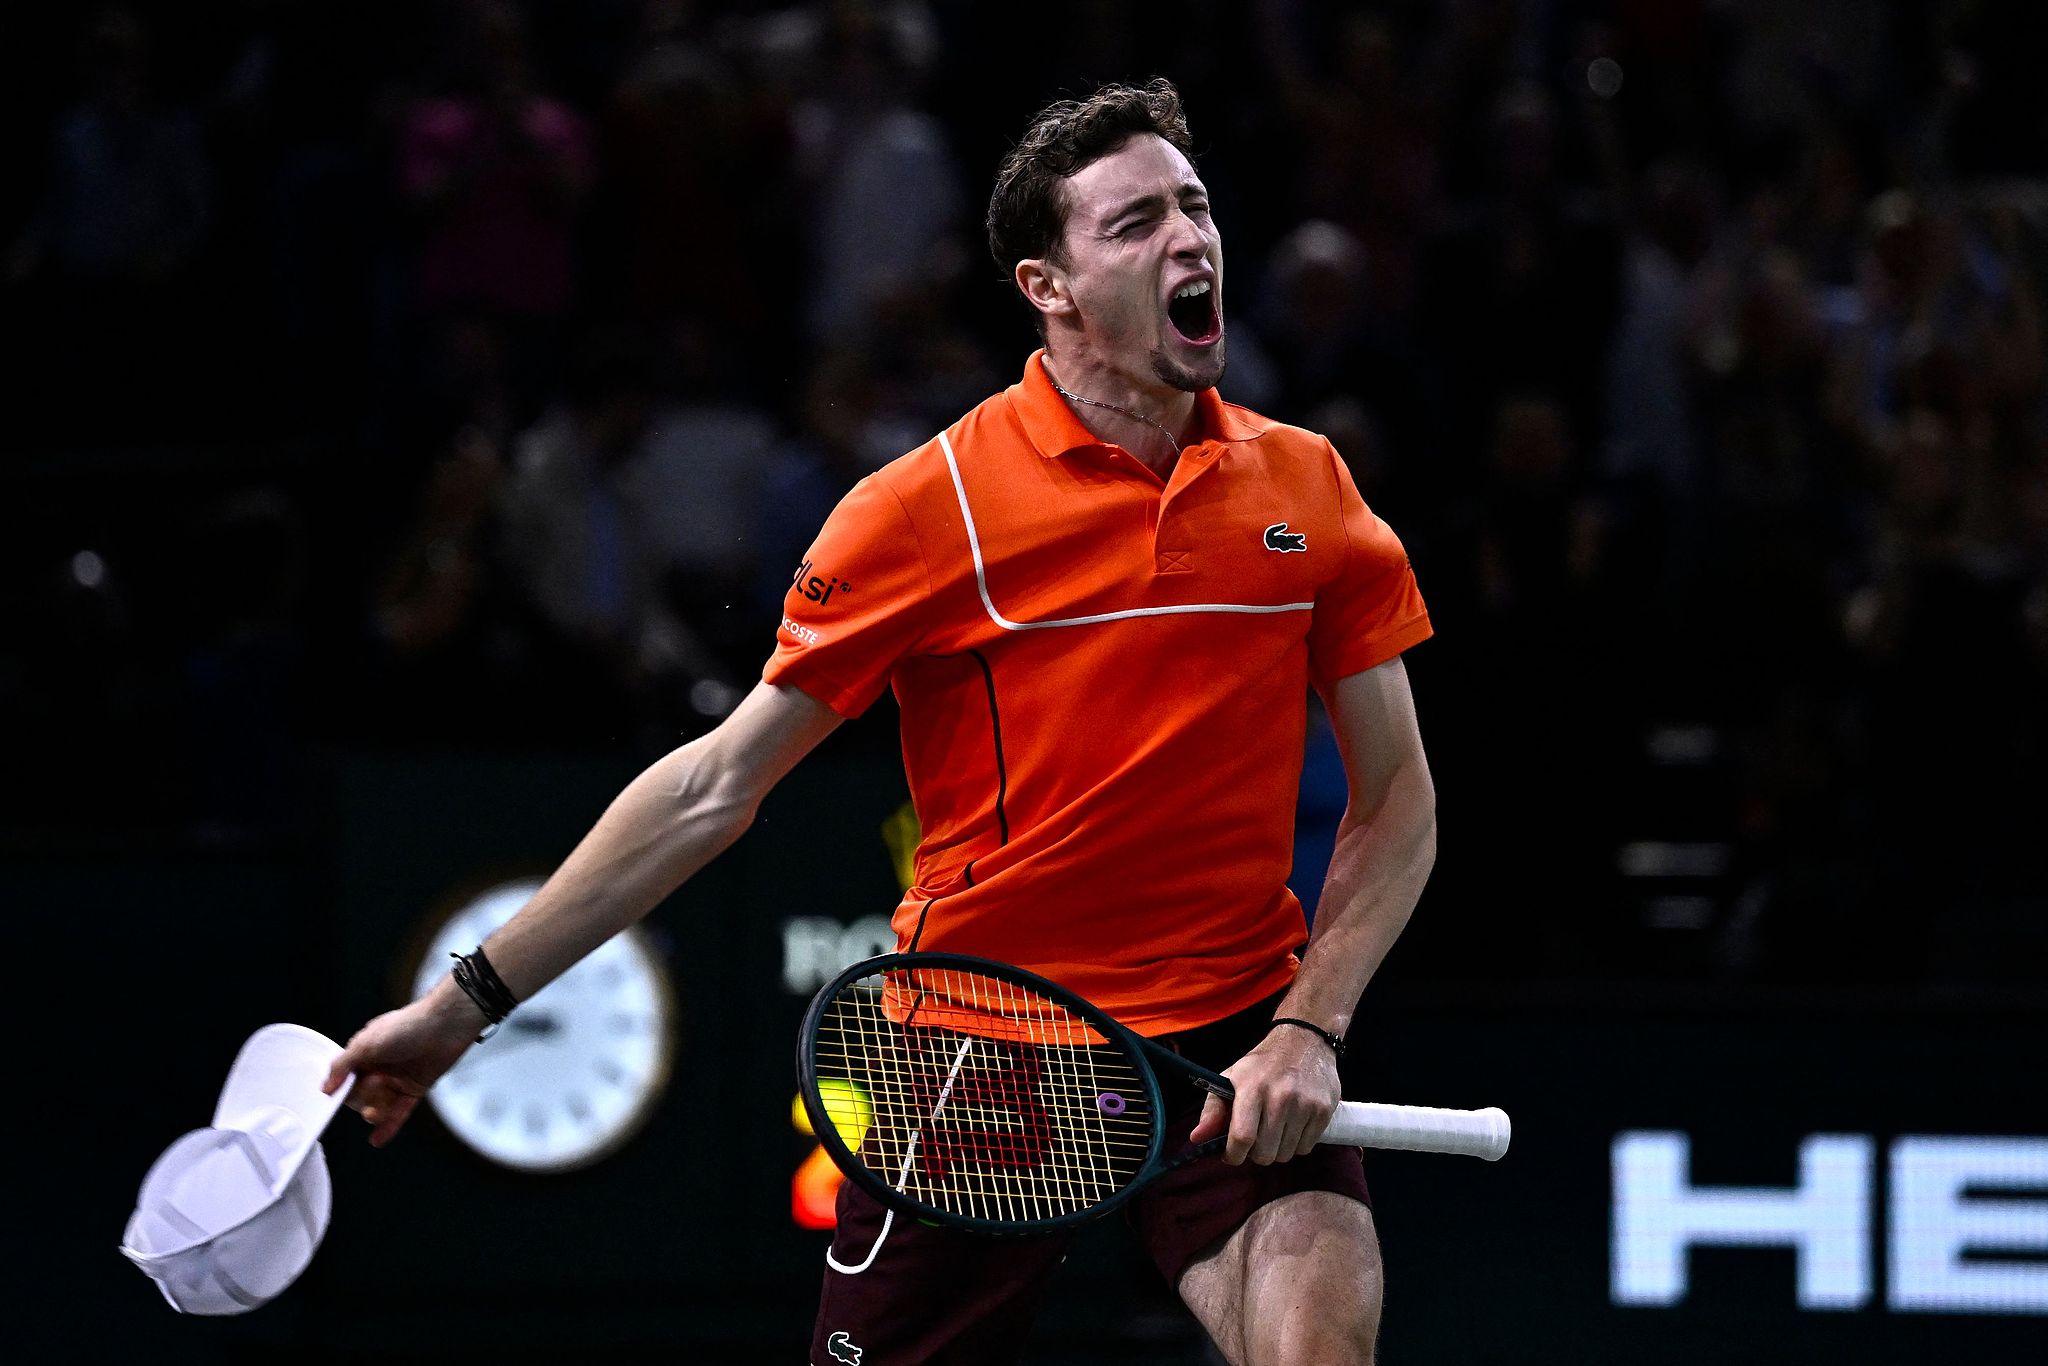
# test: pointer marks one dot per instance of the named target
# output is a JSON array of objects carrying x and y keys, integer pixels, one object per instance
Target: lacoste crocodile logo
[
  {"x": 1279, "y": 538},
  {"x": 840, "y": 1345}
]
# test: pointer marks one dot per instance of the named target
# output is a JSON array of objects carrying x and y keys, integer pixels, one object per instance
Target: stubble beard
[{"x": 1189, "y": 381}]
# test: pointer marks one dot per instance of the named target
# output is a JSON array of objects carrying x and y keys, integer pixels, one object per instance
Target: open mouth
[{"x": 1193, "y": 314}]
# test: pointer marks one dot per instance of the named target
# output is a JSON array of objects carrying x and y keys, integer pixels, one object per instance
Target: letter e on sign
[{"x": 1944, "y": 1206}]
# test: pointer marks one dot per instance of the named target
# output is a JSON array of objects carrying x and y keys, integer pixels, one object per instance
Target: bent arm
[{"x": 1386, "y": 845}]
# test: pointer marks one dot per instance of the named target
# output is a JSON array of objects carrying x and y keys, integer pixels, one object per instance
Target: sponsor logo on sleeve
[
  {"x": 840, "y": 1345},
  {"x": 819, "y": 588},
  {"x": 800, "y": 633}
]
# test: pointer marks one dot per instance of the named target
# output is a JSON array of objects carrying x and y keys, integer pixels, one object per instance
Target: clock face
[{"x": 574, "y": 1071}]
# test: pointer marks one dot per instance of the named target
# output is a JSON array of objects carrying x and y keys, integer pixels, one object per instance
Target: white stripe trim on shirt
[{"x": 981, "y": 580}]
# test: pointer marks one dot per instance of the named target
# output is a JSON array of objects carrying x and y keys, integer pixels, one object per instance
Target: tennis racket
[{"x": 973, "y": 1094}]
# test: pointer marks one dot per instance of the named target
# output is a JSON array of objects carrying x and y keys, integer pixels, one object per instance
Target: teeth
[{"x": 1190, "y": 291}]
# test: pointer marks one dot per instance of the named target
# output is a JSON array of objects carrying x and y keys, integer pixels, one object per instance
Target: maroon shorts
[{"x": 903, "y": 1293}]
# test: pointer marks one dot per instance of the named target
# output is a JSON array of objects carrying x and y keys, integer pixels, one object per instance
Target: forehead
[{"x": 1145, "y": 164}]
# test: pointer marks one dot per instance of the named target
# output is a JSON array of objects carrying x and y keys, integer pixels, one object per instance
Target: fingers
[
  {"x": 1313, "y": 1124},
  {"x": 1241, "y": 1115},
  {"x": 385, "y": 1105},
  {"x": 1284, "y": 1102},
  {"x": 1306, "y": 1131},
  {"x": 390, "y": 1119},
  {"x": 1266, "y": 1147},
  {"x": 1309, "y": 1114},
  {"x": 1245, "y": 1112},
  {"x": 338, "y": 1071},
  {"x": 1289, "y": 1126},
  {"x": 1278, "y": 1135}
]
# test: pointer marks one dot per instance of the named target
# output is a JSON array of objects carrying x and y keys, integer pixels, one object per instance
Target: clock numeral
[
  {"x": 492, "y": 1111},
  {"x": 611, "y": 976},
  {"x": 628, "y": 1022},
  {"x": 536, "y": 1120},
  {"x": 611, "y": 1072},
  {"x": 579, "y": 1108}
]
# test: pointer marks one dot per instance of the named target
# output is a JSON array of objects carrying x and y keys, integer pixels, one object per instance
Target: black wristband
[
  {"x": 486, "y": 990},
  {"x": 1336, "y": 1044}
]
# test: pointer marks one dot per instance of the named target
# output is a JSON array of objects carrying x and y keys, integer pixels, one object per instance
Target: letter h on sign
[
  {"x": 1939, "y": 1212},
  {"x": 1658, "y": 1214}
]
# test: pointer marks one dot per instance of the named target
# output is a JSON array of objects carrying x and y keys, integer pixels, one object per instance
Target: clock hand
[
  {"x": 522, "y": 1029},
  {"x": 530, "y": 1023}
]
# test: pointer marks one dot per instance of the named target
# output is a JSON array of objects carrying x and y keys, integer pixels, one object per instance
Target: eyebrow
[{"x": 1152, "y": 201}]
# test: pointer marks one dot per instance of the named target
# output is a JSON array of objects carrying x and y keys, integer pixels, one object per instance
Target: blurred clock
[{"x": 575, "y": 1071}]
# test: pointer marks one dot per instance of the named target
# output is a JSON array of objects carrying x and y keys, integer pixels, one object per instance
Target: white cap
[{"x": 229, "y": 1216}]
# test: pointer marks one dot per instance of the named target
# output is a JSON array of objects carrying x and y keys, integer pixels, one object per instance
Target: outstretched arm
[
  {"x": 1287, "y": 1087},
  {"x": 677, "y": 816}
]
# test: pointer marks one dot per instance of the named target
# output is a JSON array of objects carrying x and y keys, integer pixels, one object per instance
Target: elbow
[
  {"x": 721, "y": 812},
  {"x": 1413, "y": 797},
  {"x": 1402, "y": 820},
  {"x": 1425, "y": 818},
  {"x": 707, "y": 800}
]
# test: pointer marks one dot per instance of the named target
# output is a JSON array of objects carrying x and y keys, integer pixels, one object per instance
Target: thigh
[
  {"x": 902, "y": 1293},
  {"x": 1193, "y": 1208},
  {"x": 1299, "y": 1283}
]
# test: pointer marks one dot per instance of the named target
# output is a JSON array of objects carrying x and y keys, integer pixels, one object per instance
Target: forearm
[
  {"x": 1383, "y": 857},
  {"x": 669, "y": 822},
  {"x": 1287, "y": 1086}
]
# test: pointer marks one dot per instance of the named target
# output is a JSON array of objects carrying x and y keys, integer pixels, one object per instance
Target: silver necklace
[{"x": 1171, "y": 439}]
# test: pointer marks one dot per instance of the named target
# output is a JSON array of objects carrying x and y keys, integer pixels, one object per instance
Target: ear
[{"x": 1044, "y": 286}]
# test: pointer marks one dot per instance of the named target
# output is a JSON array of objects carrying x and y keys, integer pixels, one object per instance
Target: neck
[{"x": 1152, "y": 422}]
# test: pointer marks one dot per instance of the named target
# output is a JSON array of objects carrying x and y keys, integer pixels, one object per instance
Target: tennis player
[{"x": 1101, "y": 598}]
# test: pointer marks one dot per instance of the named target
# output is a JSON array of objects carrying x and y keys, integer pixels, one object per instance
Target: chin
[{"x": 1204, "y": 373}]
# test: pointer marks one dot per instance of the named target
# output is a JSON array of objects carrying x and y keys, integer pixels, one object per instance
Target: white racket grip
[{"x": 1421, "y": 1129}]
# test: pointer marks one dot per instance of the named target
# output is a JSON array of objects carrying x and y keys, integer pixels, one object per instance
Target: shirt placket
[{"x": 1173, "y": 547}]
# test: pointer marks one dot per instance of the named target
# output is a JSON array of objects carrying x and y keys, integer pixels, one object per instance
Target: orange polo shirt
[{"x": 1104, "y": 681}]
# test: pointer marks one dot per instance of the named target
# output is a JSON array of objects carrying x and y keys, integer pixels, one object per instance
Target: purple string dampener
[{"x": 1111, "y": 1104}]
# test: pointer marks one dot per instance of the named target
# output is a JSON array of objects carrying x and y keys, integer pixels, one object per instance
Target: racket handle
[{"x": 1420, "y": 1128}]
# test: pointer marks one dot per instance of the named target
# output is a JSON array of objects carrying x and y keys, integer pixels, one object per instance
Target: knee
[
  {"x": 1354, "y": 1343},
  {"x": 1321, "y": 1334}
]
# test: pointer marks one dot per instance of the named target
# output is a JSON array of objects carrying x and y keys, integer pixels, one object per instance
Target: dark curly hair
[{"x": 1027, "y": 214}]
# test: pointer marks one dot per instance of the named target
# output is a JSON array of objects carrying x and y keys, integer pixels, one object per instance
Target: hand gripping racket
[{"x": 973, "y": 1094}]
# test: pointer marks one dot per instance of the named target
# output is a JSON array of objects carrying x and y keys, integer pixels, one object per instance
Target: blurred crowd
[{"x": 470, "y": 374}]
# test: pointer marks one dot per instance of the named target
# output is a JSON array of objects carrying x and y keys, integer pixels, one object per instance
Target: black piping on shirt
[
  {"x": 995, "y": 721},
  {"x": 918, "y": 933}
]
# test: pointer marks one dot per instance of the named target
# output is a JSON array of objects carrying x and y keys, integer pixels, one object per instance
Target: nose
[{"x": 1185, "y": 236}]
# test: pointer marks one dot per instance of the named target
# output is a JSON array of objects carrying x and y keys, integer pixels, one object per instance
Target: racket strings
[{"x": 978, "y": 1097}]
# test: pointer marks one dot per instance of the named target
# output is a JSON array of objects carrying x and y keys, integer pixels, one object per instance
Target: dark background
[{"x": 413, "y": 414}]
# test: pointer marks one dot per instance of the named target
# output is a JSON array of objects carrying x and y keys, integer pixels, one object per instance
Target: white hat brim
[{"x": 282, "y": 1066}]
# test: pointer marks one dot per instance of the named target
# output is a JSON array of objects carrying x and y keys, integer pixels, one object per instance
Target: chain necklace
[{"x": 1171, "y": 439}]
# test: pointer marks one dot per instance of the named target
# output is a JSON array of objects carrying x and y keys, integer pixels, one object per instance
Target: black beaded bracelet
[
  {"x": 1336, "y": 1044},
  {"x": 480, "y": 982}
]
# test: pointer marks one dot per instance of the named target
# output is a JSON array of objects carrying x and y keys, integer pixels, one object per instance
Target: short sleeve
[
  {"x": 858, "y": 604},
  {"x": 1372, "y": 610}
]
